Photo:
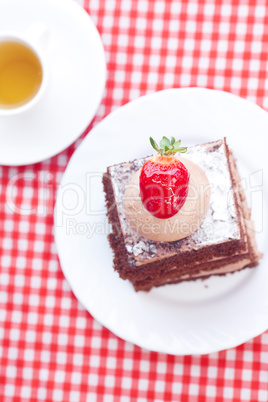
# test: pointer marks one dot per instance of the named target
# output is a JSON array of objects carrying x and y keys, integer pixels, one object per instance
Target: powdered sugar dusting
[{"x": 220, "y": 222}]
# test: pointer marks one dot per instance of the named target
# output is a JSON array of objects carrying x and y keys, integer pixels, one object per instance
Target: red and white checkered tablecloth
[{"x": 51, "y": 349}]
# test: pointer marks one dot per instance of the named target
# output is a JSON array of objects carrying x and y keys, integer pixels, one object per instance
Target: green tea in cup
[{"x": 21, "y": 74}]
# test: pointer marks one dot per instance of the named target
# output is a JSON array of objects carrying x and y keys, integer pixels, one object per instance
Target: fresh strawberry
[{"x": 164, "y": 180}]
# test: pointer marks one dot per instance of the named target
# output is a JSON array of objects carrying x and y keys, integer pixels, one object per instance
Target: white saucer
[
  {"x": 77, "y": 72},
  {"x": 188, "y": 318}
]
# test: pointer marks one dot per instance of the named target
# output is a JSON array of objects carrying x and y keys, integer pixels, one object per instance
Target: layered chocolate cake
[{"x": 221, "y": 242}]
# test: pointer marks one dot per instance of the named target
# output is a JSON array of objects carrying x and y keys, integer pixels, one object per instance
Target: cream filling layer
[{"x": 179, "y": 226}]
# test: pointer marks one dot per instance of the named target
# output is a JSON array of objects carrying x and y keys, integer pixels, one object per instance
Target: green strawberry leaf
[
  {"x": 168, "y": 147},
  {"x": 154, "y": 144},
  {"x": 164, "y": 142},
  {"x": 177, "y": 145}
]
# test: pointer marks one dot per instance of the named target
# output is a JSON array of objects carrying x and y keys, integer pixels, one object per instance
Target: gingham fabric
[{"x": 51, "y": 349}]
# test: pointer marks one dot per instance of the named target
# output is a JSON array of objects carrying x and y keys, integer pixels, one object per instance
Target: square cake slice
[{"x": 224, "y": 242}]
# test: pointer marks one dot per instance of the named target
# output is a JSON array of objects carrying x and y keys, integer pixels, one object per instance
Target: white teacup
[{"x": 30, "y": 42}]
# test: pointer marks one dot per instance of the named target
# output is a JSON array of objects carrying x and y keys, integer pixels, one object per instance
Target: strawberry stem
[{"x": 168, "y": 147}]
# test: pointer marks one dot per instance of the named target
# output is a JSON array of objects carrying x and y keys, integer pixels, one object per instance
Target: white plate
[
  {"x": 77, "y": 72},
  {"x": 188, "y": 318}
]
